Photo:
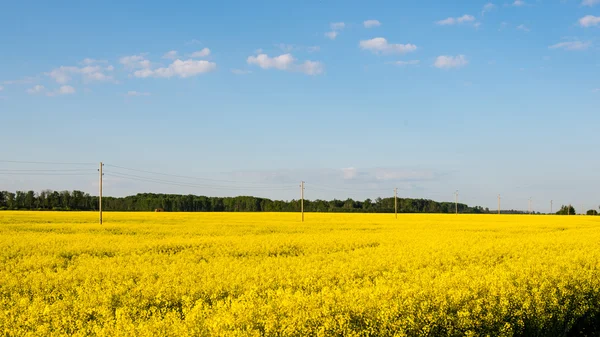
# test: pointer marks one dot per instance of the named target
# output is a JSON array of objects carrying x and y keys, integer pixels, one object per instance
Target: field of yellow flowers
[{"x": 268, "y": 274}]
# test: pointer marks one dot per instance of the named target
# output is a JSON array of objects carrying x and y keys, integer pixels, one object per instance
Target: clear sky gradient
[{"x": 354, "y": 97}]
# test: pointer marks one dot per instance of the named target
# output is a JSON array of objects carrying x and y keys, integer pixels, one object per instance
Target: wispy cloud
[
  {"x": 571, "y": 45},
  {"x": 200, "y": 53},
  {"x": 136, "y": 93},
  {"x": 448, "y": 62},
  {"x": 313, "y": 49},
  {"x": 523, "y": 28},
  {"x": 518, "y": 3},
  {"x": 407, "y": 63},
  {"x": 596, "y": 90},
  {"x": 192, "y": 42},
  {"x": 331, "y": 35},
  {"x": 178, "y": 68},
  {"x": 91, "y": 72},
  {"x": 590, "y": 3},
  {"x": 135, "y": 61},
  {"x": 589, "y": 21},
  {"x": 336, "y": 27},
  {"x": 171, "y": 55},
  {"x": 371, "y": 23},
  {"x": 285, "y": 62},
  {"x": 380, "y": 45},
  {"x": 36, "y": 89},
  {"x": 488, "y": 8},
  {"x": 240, "y": 72},
  {"x": 458, "y": 20}
]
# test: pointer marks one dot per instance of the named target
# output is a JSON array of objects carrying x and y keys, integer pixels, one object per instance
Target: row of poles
[{"x": 302, "y": 199}]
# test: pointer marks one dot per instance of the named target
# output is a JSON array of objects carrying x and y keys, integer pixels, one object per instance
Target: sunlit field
[{"x": 268, "y": 274}]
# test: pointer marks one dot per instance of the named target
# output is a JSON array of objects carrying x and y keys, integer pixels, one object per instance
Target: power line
[
  {"x": 42, "y": 162},
  {"x": 45, "y": 174},
  {"x": 176, "y": 183},
  {"x": 46, "y": 170},
  {"x": 189, "y": 177}
]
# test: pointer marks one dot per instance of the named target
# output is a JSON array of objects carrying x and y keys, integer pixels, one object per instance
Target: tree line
[{"x": 81, "y": 201}]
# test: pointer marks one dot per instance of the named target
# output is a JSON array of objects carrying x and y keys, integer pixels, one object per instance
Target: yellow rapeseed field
[{"x": 267, "y": 274}]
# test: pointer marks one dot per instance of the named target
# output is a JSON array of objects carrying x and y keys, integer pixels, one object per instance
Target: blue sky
[{"x": 353, "y": 97}]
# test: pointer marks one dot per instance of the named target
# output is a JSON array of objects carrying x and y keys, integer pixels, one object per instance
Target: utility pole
[
  {"x": 498, "y": 203},
  {"x": 396, "y": 202},
  {"x": 302, "y": 199},
  {"x": 569, "y": 210},
  {"x": 100, "y": 198},
  {"x": 456, "y": 201},
  {"x": 530, "y": 205},
  {"x": 550, "y": 206}
]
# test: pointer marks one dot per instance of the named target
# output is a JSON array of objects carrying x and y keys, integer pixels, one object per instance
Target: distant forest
[{"x": 80, "y": 201}]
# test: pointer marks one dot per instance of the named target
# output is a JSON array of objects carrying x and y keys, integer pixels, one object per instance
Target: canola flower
[{"x": 267, "y": 274}]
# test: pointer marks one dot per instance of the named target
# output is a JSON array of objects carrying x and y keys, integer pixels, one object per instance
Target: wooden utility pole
[
  {"x": 100, "y": 198},
  {"x": 396, "y": 202},
  {"x": 498, "y": 203},
  {"x": 551, "y": 206},
  {"x": 529, "y": 205},
  {"x": 302, "y": 199},
  {"x": 456, "y": 201},
  {"x": 569, "y": 210}
]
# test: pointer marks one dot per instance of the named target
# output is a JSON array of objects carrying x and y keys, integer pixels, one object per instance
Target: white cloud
[
  {"x": 143, "y": 73},
  {"x": 137, "y": 93},
  {"x": 571, "y": 45},
  {"x": 380, "y": 45},
  {"x": 596, "y": 90},
  {"x": 192, "y": 41},
  {"x": 63, "y": 90},
  {"x": 36, "y": 89},
  {"x": 589, "y": 21},
  {"x": 453, "y": 21},
  {"x": 200, "y": 53},
  {"x": 523, "y": 28},
  {"x": 447, "y": 62},
  {"x": 281, "y": 62},
  {"x": 311, "y": 68},
  {"x": 135, "y": 62},
  {"x": 407, "y": 63},
  {"x": 66, "y": 90},
  {"x": 488, "y": 8},
  {"x": 90, "y": 61},
  {"x": 337, "y": 26},
  {"x": 171, "y": 55},
  {"x": 331, "y": 35},
  {"x": 349, "y": 173},
  {"x": 590, "y": 3},
  {"x": 62, "y": 74},
  {"x": 240, "y": 71},
  {"x": 286, "y": 62},
  {"x": 371, "y": 23},
  {"x": 179, "y": 68},
  {"x": 518, "y": 3},
  {"x": 313, "y": 49}
]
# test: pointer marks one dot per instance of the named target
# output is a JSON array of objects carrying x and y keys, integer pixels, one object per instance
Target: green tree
[{"x": 566, "y": 210}]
